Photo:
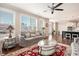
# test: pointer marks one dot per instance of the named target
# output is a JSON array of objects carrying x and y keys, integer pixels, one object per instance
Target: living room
[{"x": 38, "y": 29}]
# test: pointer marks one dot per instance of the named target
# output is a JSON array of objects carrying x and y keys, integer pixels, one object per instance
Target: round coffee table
[{"x": 47, "y": 47}]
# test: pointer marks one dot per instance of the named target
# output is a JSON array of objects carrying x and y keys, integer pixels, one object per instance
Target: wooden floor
[
  {"x": 6, "y": 51},
  {"x": 17, "y": 47}
]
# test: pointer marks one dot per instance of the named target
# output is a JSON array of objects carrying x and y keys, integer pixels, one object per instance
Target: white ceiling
[{"x": 71, "y": 10}]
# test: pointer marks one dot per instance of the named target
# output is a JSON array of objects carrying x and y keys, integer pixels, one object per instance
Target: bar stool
[
  {"x": 74, "y": 36},
  {"x": 68, "y": 38}
]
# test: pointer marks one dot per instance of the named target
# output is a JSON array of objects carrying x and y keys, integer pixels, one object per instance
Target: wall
[{"x": 63, "y": 26}]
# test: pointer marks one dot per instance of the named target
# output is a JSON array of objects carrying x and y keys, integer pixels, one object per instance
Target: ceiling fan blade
[
  {"x": 58, "y": 5},
  {"x": 59, "y": 9}
]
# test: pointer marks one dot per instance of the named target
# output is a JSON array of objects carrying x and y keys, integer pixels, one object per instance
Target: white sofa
[
  {"x": 30, "y": 38},
  {"x": 24, "y": 42}
]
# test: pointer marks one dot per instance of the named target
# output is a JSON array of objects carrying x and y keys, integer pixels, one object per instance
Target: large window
[
  {"x": 6, "y": 19},
  {"x": 28, "y": 24},
  {"x": 41, "y": 25},
  {"x": 33, "y": 24},
  {"x": 25, "y": 24}
]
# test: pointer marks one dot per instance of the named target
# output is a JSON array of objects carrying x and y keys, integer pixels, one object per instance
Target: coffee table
[{"x": 47, "y": 47}]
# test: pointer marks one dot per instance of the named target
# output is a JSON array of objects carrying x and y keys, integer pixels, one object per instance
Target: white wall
[{"x": 63, "y": 26}]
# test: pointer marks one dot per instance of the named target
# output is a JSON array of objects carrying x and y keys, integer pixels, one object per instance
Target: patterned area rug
[{"x": 60, "y": 51}]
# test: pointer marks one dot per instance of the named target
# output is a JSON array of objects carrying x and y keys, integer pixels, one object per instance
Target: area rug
[{"x": 60, "y": 51}]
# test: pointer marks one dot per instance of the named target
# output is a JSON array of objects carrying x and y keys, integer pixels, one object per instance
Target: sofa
[{"x": 30, "y": 38}]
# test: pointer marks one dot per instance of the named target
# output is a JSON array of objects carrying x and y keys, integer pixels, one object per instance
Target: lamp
[{"x": 10, "y": 28}]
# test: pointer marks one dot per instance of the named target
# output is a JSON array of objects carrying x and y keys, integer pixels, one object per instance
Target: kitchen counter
[{"x": 70, "y": 35}]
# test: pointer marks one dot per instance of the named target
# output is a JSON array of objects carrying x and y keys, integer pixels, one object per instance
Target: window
[
  {"x": 25, "y": 23},
  {"x": 28, "y": 23},
  {"x": 33, "y": 24},
  {"x": 6, "y": 19},
  {"x": 40, "y": 25}
]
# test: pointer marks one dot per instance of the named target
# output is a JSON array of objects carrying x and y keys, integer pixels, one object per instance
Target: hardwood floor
[{"x": 6, "y": 51}]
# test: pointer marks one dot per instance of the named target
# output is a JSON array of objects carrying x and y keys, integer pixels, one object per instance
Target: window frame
[
  {"x": 12, "y": 12},
  {"x": 30, "y": 16},
  {"x": 21, "y": 19},
  {"x": 35, "y": 21}
]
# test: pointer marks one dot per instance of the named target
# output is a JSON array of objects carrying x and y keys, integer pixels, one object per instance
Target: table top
[{"x": 42, "y": 43}]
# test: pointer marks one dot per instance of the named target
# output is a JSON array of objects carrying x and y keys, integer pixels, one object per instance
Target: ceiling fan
[{"x": 53, "y": 8}]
